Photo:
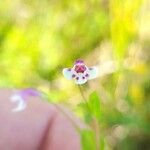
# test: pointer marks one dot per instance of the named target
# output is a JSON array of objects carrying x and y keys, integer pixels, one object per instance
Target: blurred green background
[{"x": 40, "y": 38}]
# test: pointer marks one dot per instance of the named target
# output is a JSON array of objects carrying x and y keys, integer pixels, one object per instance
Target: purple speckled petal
[
  {"x": 21, "y": 96},
  {"x": 25, "y": 93},
  {"x": 80, "y": 73}
]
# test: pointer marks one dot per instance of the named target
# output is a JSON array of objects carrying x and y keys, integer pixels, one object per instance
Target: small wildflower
[
  {"x": 80, "y": 72},
  {"x": 21, "y": 96}
]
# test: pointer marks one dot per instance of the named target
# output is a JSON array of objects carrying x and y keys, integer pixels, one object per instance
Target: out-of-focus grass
[{"x": 39, "y": 38}]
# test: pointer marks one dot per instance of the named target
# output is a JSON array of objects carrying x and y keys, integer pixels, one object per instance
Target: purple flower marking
[
  {"x": 29, "y": 92},
  {"x": 69, "y": 69},
  {"x": 87, "y": 75},
  {"x": 73, "y": 76}
]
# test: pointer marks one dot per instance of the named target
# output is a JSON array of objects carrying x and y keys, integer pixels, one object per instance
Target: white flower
[
  {"x": 21, "y": 96},
  {"x": 21, "y": 104},
  {"x": 80, "y": 72}
]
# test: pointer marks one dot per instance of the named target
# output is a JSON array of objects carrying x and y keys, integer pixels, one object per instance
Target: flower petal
[
  {"x": 25, "y": 93},
  {"x": 80, "y": 79},
  {"x": 68, "y": 73},
  {"x": 92, "y": 72},
  {"x": 21, "y": 103}
]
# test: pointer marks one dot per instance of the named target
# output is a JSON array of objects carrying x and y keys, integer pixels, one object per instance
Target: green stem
[
  {"x": 84, "y": 98},
  {"x": 94, "y": 121}
]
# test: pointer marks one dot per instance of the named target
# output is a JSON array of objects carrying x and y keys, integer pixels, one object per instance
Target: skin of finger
[
  {"x": 39, "y": 126},
  {"x": 63, "y": 134},
  {"x": 23, "y": 130}
]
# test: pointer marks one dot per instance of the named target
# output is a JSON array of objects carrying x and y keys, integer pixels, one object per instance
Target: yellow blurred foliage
[
  {"x": 137, "y": 94},
  {"x": 140, "y": 68}
]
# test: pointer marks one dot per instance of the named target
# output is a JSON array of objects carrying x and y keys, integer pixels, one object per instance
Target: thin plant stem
[
  {"x": 94, "y": 120},
  {"x": 84, "y": 98},
  {"x": 97, "y": 131}
]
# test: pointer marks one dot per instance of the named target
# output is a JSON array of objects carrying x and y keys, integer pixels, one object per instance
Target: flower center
[{"x": 80, "y": 68}]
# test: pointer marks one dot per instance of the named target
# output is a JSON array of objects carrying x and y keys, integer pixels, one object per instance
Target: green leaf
[
  {"x": 86, "y": 112},
  {"x": 88, "y": 140},
  {"x": 102, "y": 143},
  {"x": 94, "y": 104}
]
